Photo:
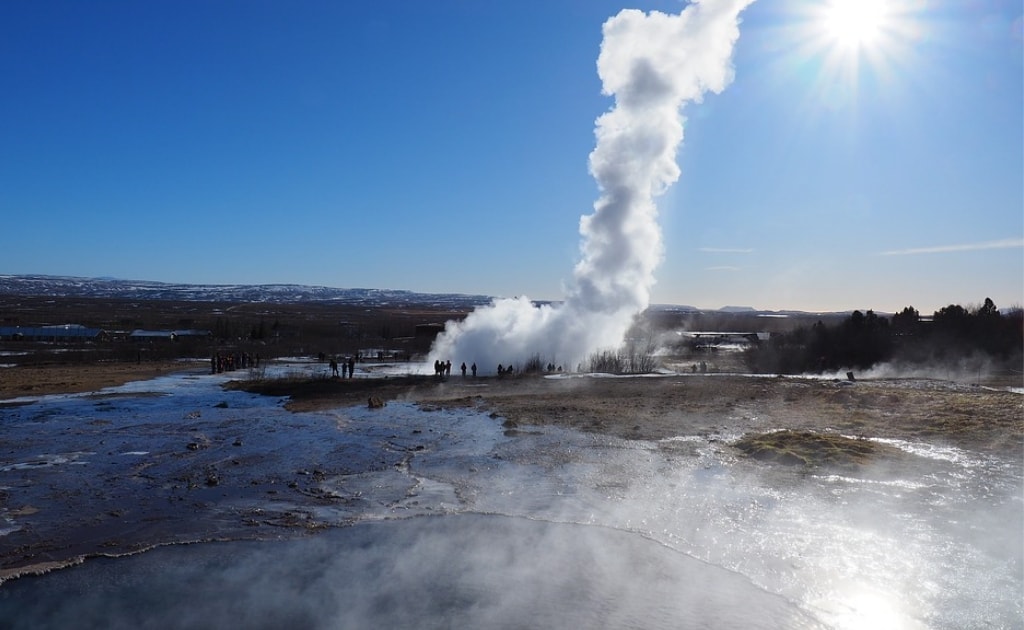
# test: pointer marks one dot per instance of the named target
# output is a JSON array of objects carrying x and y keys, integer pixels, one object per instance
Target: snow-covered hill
[
  {"x": 71, "y": 286},
  {"x": 65, "y": 286}
]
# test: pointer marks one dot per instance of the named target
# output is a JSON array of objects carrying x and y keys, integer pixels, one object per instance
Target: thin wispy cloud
[
  {"x": 1006, "y": 243},
  {"x": 724, "y": 250},
  {"x": 723, "y": 268}
]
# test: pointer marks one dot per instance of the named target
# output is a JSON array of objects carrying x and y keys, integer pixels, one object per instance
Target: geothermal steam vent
[{"x": 653, "y": 65}]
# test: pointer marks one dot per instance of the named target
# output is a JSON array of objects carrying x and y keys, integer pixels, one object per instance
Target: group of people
[
  {"x": 242, "y": 360},
  {"x": 348, "y": 365},
  {"x": 234, "y": 361},
  {"x": 444, "y": 368},
  {"x": 237, "y": 361}
]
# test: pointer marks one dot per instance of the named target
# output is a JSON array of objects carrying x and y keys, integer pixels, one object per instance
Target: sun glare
[{"x": 855, "y": 23}]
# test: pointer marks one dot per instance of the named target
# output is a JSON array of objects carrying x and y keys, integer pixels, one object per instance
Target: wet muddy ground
[
  {"x": 179, "y": 459},
  {"x": 191, "y": 456},
  {"x": 176, "y": 460}
]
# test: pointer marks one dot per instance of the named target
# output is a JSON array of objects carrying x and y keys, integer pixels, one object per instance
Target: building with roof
[{"x": 60, "y": 332}]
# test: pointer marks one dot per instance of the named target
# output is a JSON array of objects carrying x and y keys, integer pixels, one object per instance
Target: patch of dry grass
[
  {"x": 810, "y": 448},
  {"x": 54, "y": 378}
]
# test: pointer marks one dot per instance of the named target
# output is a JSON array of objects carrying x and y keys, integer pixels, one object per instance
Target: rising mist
[{"x": 653, "y": 64}]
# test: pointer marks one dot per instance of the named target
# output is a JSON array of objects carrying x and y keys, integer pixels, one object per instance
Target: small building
[
  {"x": 151, "y": 335},
  {"x": 59, "y": 332},
  {"x": 191, "y": 333},
  {"x": 168, "y": 335}
]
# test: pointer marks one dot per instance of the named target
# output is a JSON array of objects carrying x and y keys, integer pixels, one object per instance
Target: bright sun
[{"x": 855, "y": 23}]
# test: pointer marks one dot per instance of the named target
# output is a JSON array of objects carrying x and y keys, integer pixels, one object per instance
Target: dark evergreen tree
[
  {"x": 865, "y": 339},
  {"x": 906, "y": 322}
]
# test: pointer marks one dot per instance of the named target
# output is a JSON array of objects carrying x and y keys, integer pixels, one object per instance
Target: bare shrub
[
  {"x": 640, "y": 354},
  {"x": 637, "y": 356},
  {"x": 533, "y": 365},
  {"x": 607, "y": 361}
]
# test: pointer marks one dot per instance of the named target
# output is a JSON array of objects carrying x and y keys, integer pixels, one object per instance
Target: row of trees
[
  {"x": 633, "y": 358},
  {"x": 865, "y": 339}
]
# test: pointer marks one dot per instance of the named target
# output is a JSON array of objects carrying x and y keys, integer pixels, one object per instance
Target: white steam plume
[{"x": 653, "y": 64}]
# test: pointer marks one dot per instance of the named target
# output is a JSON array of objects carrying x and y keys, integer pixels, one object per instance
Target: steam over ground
[{"x": 653, "y": 64}]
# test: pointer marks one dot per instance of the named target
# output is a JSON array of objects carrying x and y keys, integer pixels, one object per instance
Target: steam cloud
[{"x": 653, "y": 64}]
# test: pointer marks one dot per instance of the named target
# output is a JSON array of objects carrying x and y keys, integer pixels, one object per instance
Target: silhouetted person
[
  {"x": 334, "y": 367},
  {"x": 501, "y": 370},
  {"x": 448, "y": 368},
  {"x": 351, "y": 367},
  {"x": 473, "y": 368},
  {"x": 463, "y": 368}
]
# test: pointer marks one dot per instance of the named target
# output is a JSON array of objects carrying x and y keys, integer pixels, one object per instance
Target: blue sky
[{"x": 442, "y": 147}]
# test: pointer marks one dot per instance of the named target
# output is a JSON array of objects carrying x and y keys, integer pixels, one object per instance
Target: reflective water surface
[{"x": 437, "y": 518}]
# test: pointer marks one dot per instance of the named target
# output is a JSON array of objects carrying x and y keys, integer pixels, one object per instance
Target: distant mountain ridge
[{"x": 70, "y": 286}]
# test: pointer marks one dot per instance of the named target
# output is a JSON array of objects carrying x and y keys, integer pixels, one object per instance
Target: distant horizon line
[{"x": 728, "y": 308}]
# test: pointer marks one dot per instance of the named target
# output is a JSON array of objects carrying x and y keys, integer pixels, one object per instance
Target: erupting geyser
[{"x": 653, "y": 64}]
